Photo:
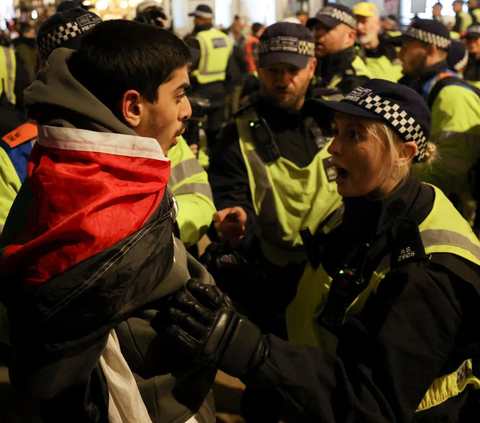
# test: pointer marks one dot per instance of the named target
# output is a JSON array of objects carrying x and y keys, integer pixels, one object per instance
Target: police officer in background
[
  {"x": 437, "y": 12},
  {"x": 474, "y": 11},
  {"x": 339, "y": 69},
  {"x": 380, "y": 55},
  {"x": 271, "y": 167},
  {"x": 472, "y": 41},
  {"x": 209, "y": 73},
  {"x": 455, "y": 110},
  {"x": 462, "y": 20}
]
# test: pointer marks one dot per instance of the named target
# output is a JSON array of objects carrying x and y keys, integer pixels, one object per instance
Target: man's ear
[{"x": 131, "y": 108}]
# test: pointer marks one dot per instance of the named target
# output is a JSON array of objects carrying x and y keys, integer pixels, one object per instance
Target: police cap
[
  {"x": 403, "y": 109},
  {"x": 286, "y": 42},
  {"x": 428, "y": 31}
]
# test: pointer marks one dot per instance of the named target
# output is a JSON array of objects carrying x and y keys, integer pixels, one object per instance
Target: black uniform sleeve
[
  {"x": 22, "y": 81},
  {"x": 386, "y": 359},
  {"x": 228, "y": 177}
]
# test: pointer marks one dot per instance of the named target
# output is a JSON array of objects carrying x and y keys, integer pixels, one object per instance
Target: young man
[
  {"x": 339, "y": 69},
  {"x": 455, "y": 110},
  {"x": 380, "y": 55},
  {"x": 88, "y": 248}
]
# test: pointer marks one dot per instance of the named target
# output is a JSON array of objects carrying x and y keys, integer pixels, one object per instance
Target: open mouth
[{"x": 342, "y": 174}]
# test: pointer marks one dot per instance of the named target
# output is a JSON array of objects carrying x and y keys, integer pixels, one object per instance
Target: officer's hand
[
  {"x": 230, "y": 225},
  {"x": 205, "y": 324}
]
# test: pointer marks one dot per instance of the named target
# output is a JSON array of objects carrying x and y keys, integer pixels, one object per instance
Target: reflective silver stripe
[
  {"x": 1, "y": 228},
  {"x": 10, "y": 76},
  {"x": 431, "y": 237},
  {"x": 204, "y": 70},
  {"x": 184, "y": 170},
  {"x": 195, "y": 188}
]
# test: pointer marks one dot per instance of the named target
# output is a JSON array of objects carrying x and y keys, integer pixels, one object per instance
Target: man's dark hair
[
  {"x": 301, "y": 12},
  {"x": 438, "y": 4},
  {"x": 256, "y": 27},
  {"x": 119, "y": 55},
  {"x": 25, "y": 27}
]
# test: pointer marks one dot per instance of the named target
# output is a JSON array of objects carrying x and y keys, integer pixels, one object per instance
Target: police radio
[{"x": 264, "y": 141}]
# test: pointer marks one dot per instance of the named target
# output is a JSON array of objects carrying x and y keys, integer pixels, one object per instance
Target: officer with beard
[
  {"x": 380, "y": 55},
  {"x": 271, "y": 165}
]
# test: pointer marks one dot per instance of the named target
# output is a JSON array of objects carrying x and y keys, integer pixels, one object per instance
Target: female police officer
[{"x": 384, "y": 326}]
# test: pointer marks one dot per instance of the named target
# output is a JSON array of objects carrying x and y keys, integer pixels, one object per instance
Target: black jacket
[
  {"x": 472, "y": 72},
  {"x": 339, "y": 64},
  {"x": 416, "y": 327},
  {"x": 417, "y": 80}
]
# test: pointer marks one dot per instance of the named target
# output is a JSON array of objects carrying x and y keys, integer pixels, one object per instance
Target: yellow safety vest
[
  {"x": 359, "y": 67},
  {"x": 394, "y": 33},
  {"x": 383, "y": 68},
  {"x": 8, "y": 70},
  {"x": 189, "y": 183},
  {"x": 443, "y": 231},
  {"x": 286, "y": 198},
  {"x": 466, "y": 21},
  {"x": 454, "y": 35},
  {"x": 215, "y": 50}
]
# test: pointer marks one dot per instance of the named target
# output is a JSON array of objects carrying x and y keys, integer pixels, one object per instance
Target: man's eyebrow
[{"x": 184, "y": 86}]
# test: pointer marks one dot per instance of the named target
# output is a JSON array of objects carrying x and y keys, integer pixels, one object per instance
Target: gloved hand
[
  {"x": 230, "y": 270},
  {"x": 205, "y": 324}
]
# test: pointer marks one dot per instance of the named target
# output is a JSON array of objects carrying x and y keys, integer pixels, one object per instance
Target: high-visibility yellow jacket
[{"x": 189, "y": 183}]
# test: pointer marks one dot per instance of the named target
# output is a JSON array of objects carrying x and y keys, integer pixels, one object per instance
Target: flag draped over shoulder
[
  {"x": 90, "y": 190},
  {"x": 94, "y": 239}
]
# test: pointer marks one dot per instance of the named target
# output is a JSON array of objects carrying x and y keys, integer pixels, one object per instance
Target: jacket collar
[
  {"x": 418, "y": 80},
  {"x": 371, "y": 218},
  {"x": 336, "y": 63}
]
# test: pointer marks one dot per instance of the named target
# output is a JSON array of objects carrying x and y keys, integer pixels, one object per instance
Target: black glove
[
  {"x": 206, "y": 324},
  {"x": 232, "y": 272}
]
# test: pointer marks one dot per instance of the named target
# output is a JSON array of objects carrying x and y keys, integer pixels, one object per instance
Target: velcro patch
[
  {"x": 219, "y": 43},
  {"x": 20, "y": 135}
]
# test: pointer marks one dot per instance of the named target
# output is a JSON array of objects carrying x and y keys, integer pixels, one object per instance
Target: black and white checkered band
[
  {"x": 473, "y": 30},
  {"x": 284, "y": 44},
  {"x": 339, "y": 15},
  {"x": 201, "y": 14},
  {"x": 428, "y": 37},
  {"x": 404, "y": 124},
  {"x": 57, "y": 37},
  {"x": 457, "y": 67}
]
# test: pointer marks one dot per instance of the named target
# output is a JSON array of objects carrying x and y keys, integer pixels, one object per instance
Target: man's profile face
[
  {"x": 285, "y": 84},
  {"x": 330, "y": 40},
  {"x": 413, "y": 55},
  {"x": 473, "y": 45},
  {"x": 165, "y": 119}
]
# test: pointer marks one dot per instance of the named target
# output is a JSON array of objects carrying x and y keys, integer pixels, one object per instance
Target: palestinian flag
[{"x": 88, "y": 239}]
